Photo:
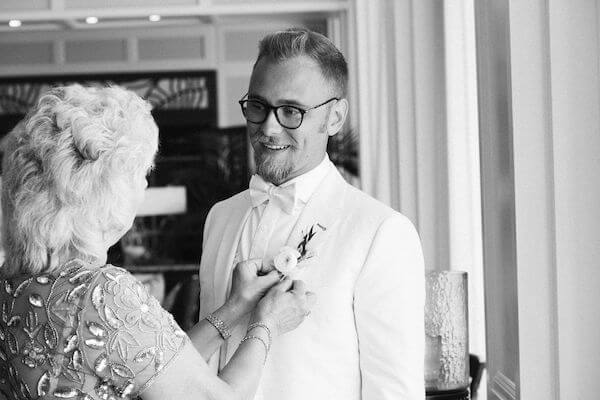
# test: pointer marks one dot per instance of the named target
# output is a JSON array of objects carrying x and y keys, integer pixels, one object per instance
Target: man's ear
[{"x": 337, "y": 117}]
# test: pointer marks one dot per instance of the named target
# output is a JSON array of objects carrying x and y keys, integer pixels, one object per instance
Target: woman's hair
[
  {"x": 294, "y": 42},
  {"x": 70, "y": 174}
]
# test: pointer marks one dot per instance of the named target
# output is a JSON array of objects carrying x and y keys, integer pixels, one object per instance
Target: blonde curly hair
[{"x": 69, "y": 175}]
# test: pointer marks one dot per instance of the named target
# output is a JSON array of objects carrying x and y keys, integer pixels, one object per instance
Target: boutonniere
[{"x": 288, "y": 261}]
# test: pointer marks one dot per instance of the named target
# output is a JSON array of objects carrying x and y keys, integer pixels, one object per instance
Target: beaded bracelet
[
  {"x": 248, "y": 337},
  {"x": 255, "y": 325},
  {"x": 219, "y": 325}
]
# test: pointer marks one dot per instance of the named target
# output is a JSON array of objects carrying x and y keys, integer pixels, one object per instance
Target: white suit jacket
[{"x": 364, "y": 338}]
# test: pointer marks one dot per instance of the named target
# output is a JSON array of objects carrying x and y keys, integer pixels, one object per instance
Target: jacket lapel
[
  {"x": 321, "y": 212},
  {"x": 321, "y": 209}
]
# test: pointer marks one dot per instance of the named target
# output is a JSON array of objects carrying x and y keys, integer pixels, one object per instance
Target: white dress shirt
[{"x": 268, "y": 227}]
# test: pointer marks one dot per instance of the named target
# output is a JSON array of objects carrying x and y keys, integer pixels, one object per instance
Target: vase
[{"x": 446, "y": 332}]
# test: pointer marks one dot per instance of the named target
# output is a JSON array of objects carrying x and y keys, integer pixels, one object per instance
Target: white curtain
[
  {"x": 399, "y": 65},
  {"x": 375, "y": 72},
  {"x": 417, "y": 123}
]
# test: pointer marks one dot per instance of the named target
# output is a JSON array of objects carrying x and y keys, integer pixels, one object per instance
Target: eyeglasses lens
[
  {"x": 289, "y": 117},
  {"x": 256, "y": 112}
]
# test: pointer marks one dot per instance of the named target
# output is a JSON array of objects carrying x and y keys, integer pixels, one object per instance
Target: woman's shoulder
[
  {"x": 101, "y": 318},
  {"x": 125, "y": 332},
  {"x": 78, "y": 272},
  {"x": 109, "y": 332},
  {"x": 122, "y": 303}
]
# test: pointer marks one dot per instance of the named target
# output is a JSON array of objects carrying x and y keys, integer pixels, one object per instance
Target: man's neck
[{"x": 295, "y": 176}]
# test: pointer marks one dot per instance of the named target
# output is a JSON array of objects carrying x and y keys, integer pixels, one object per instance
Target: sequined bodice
[{"x": 84, "y": 332}]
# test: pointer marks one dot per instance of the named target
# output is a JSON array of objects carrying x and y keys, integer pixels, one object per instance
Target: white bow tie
[{"x": 283, "y": 197}]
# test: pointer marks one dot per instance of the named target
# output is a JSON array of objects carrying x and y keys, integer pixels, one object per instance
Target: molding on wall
[
  {"x": 573, "y": 54},
  {"x": 498, "y": 189},
  {"x": 129, "y": 39},
  {"x": 531, "y": 94}
]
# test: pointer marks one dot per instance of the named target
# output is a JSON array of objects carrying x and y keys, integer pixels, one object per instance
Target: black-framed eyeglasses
[{"x": 288, "y": 116}]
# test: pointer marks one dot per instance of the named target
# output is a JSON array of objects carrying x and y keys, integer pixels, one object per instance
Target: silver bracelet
[
  {"x": 248, "y": 337},
  {"x": 219, "y": 325},
  {"x": 255, "y": 325}
]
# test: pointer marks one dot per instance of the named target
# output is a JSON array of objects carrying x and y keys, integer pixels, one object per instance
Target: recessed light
[
  {"x": 14, "y": 23},
  {"x": 154, "y": 18},
  {"x": 91, "y": 20}
]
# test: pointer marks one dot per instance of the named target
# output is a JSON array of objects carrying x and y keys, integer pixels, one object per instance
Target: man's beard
[{"x": 273, "y": 170}]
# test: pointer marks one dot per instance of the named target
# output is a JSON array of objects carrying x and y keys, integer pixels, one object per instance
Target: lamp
[
  {"x": 163, "y": 201},
  {"x": 140, "y": 239}
]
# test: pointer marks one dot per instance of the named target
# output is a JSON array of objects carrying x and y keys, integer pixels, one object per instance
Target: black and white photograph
[{"x": 299, "y": 200}]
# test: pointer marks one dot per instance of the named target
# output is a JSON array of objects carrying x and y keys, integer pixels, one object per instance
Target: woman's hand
[
  {"x": 249, "y": 284},
  {"x": 285, "y": 306}
]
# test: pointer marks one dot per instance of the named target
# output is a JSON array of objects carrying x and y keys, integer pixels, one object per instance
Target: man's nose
[{"x": 271, "y": 126}]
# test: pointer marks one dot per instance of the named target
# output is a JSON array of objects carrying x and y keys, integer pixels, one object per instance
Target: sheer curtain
[
  {"x": 399, "y": 64},
  {"x": 417, "y": 121}
]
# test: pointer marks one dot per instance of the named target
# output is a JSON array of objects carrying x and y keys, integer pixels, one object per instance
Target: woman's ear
[{"x": 337, "y": 117}]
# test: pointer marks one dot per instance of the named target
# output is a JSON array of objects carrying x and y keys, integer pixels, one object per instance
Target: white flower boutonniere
[{"x": 288, "y": 261}]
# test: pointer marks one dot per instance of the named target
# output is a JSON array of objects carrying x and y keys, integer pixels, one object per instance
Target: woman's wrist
[
  {"x": 257, "y": 320},
  {"x": 261, "y": 333},
  {"x": 239, "y": 305},
  {"x": 255, "y": 327},
  {"x": 231, "y": 313}
]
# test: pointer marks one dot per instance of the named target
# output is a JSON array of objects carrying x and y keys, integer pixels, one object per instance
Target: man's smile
[{"x": 275, "y": 148}]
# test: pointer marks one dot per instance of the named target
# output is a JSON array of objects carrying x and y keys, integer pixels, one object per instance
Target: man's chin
[{"x": 273, "y": 172}]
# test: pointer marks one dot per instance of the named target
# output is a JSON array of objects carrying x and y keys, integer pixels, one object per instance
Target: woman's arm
[
  {"x": 188, "y": 376},
  {"x": 285, "y": 306},
  {"x": 247, "y": 288},
  {"x": 206, "y": 338}
]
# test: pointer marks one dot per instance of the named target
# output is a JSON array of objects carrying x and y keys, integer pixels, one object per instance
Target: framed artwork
[{"x": 193, "y": 90}]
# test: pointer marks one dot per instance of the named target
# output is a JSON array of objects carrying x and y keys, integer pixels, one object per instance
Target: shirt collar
[{"x": 307, "y": 183}]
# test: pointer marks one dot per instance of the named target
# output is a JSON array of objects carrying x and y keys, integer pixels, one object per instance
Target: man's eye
[
  {"x": 289, "y": 111},
  {"x": 255, "y": 106}
]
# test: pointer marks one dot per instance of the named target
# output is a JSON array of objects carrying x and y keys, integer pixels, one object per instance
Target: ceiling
[{"x": 56, "y": 15}]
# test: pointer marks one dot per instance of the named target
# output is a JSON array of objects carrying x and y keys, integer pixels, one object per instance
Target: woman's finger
[
  {"x": 269, "y": 279},
  {"x": 254, "y": 264},
  {"x": 299, "y": 287},
  {"x": 264, "y": 268},
  {"x": 284, "y": 285}
]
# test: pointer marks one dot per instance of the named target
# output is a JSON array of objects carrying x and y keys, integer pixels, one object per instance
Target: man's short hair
[
  {"x": 69, "y": 170},
  {"x": 293, "y": 42}
]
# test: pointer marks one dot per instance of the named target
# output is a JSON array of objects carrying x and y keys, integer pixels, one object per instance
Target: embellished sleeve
[{"x": 127, "y": 337}]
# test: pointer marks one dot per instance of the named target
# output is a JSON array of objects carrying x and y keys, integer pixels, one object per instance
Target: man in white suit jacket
[{"x": 365, "y": 336}]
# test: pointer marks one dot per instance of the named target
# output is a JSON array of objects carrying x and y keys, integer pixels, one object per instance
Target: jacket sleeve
[
  {"x": 389, "y": 303},
  {"x": 203, "y": 273},
  {"x": 206, "y": 303}
]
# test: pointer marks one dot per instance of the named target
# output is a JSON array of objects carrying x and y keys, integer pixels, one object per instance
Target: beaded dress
[{"x": 82, "y": 332}]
